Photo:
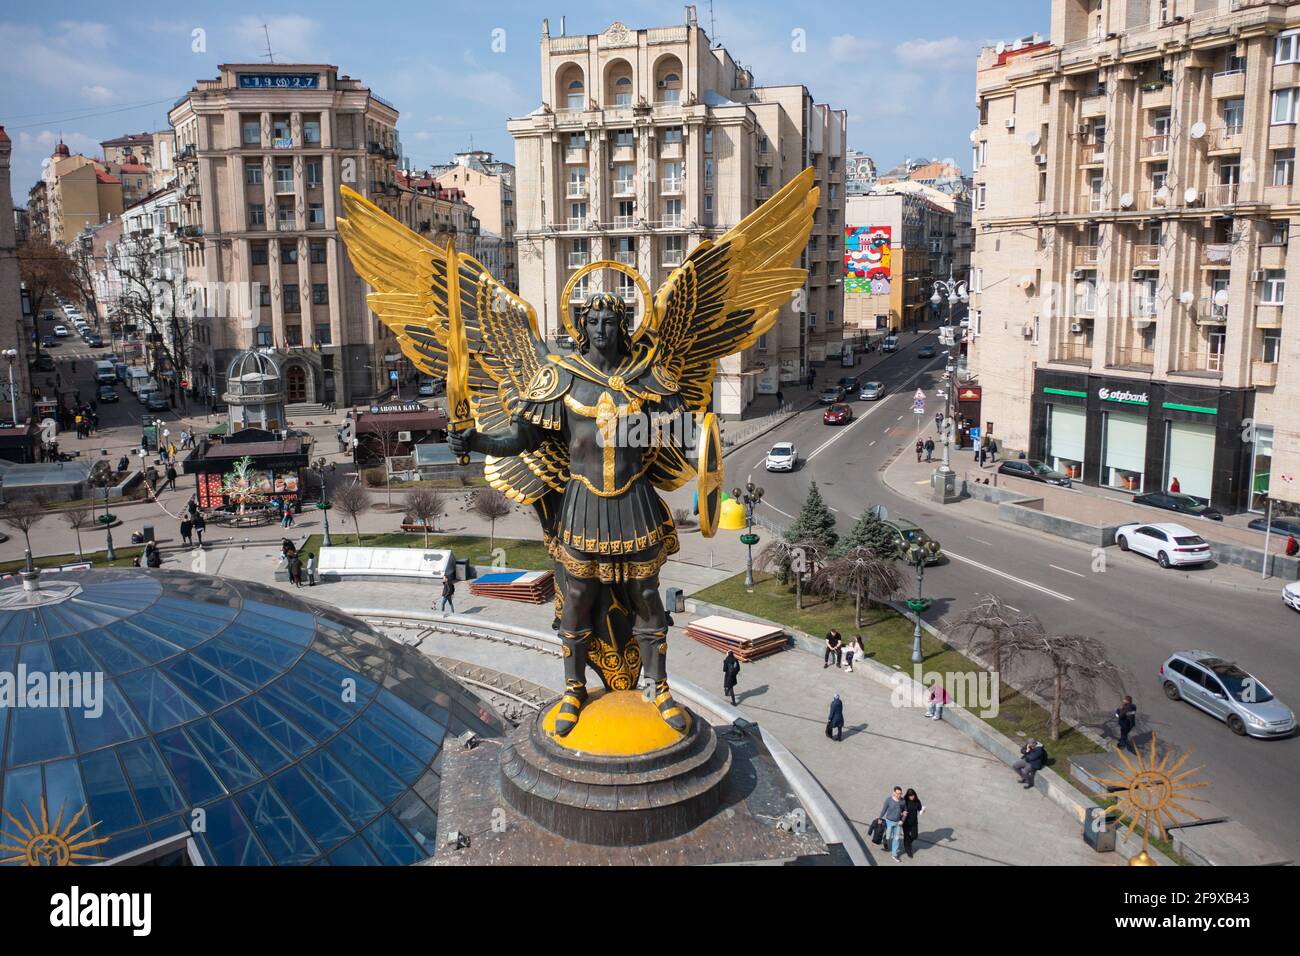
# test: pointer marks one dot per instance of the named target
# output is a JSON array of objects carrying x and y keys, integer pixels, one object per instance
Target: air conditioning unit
[
  {"x": 1078, "y": 274},
  {"x": 1076, "y": 327},
  {"x": 661, "y": 84},
  {"x": 1082, "y": 129},
  {"x": 1257, "y": 275},
  {"x": 1139, "y": 273},
  {"x": 1027, "y": 331},
  {"x": 404, "y": 436},
  {"x": 1040, "y": 159},
  {"x": 1010, "y": 122}
]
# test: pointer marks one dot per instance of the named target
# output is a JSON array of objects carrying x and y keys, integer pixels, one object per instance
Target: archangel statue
[{"x": 553, "y": 424}]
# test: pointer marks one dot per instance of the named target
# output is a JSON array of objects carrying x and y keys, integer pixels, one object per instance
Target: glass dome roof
[{"x": 278, "y": 731}]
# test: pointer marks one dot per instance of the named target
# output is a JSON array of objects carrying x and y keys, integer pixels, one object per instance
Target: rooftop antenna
[
  {"x": 713, "y": 26},
  {"x": 269, "y": 54}
]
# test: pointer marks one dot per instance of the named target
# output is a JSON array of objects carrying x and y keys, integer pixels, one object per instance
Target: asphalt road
[{"x": 1141, "y": 612}]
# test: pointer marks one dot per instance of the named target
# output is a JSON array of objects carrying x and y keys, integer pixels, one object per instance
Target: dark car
[
  {"x": 50, "y": 342},
  {"x": 107, "y": 393},
  {"x": 1183, "y": 504},
  {"x": 926, "y": 351},
  {"x": 908, "y": 533},
  {"x": 94, "y": 340},
  {"x": 44, "y": 363},
  {"x": 848, "y": 385},
  {"x": 156, "y": 403},
  {"x": 838, "y": 414},
  {"x": 1033, "y": 470},
  {"x": 1280, "y": 525}
]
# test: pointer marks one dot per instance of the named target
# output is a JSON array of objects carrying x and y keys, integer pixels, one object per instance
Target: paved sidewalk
[{"x": 976, "y": 812}]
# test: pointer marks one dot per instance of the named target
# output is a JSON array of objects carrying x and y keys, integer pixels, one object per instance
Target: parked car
[
  {"x": 426, "y": 386},
  {"x": 95, "y": 340},
  {"x": 1170, "y": 544},
  {"x": 848, "y": 385},
  {"x": 1183, "y": 504},
  {"x": 925, "y": 352},
  {"x": 107, "y": 393},
  {"x": 1223, "y": 690},
  {"x": 830, "y": 395},
  {"x": 783, "y": 456},
  {"x": 1280, "y": 525},
  {"x": 1291, "y": 595},
  {"x": 61, "y": 331},
  {"x": 50, "y": 341},
  {"x": 871, "y": 391},
  {"x": 908, "y": 533},
  {"x": 837, "y": 414},
  {"x": 1033, "y": 470},
  {"x": 156, "y": 403}
]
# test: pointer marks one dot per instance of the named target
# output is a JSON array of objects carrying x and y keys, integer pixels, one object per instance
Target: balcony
[
  {"x": 1205, "y": 364},
  {"x": 1146, "y": 256},
  {"x": 1092, "y": 154},
  {"x": 1093, "y": 201},
  {"x": 1135, "y": 359},
  {"x": 672, "y": 220},
  {"x": 287, "y": 225},
  {"x": 1072, "y": 353},
  {"x": 576, "y": 191},
  {"x": 1263, "y": 374},
  {"x": 627, "y": 258},
  {"x": 1229, "y": 83},
  {"x": 282, "y": 142},
  {"x": 1223, "y": 194},
  {"x": 624, "y": 187},
  {"x": 1094, "y": 105},
  {"x": 187, "y": 154},
  {"x": 1268, "y": 315},
  {"x": 672, "y": 257},
  {"x": 1209, "y": 313},
  {"x": 1160, "y": 197},
  {"x": 575, "y": 155},
  {"x": 580, "y": 223},
  {"x": 1225, "y": 139},
  {"x": 1156, "y": 96},
  {"x": 1086, "y": 257},
  {"x": 578, "y": 259},
  {"x": 1216, "y": 255},
  {"x": 670, "y": 151},
  {"x": 625, "y": 222},
  {"x": 1156, "y": 146},
  {"x": 284, "y": 186},
  {"x": 671, "y": 186}
]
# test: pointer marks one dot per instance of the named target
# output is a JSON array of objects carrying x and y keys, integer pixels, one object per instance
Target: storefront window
[
  {"x": 1124, "y": 457},
  {"x": 1067, "y": 428},
  {"x": 1191, "y": 458},
  {"x": 1261, "y": 463}
]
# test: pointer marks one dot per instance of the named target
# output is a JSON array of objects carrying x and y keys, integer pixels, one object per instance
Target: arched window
[
  {"x": 623, "y": 91},
  {"x": 671, "y": 91},
  {"x": 573, "y": 96}
]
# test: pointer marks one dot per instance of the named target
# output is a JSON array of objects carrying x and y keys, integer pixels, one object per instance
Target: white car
[
  {"x": 783, "y": 457},
  {"x": 1291, "y": 595},
  {"x": 1170, "y": 544},
  {"x": 61, "y": 331}
]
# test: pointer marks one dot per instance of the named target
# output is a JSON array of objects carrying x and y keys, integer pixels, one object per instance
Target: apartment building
[
  {"x": 488, "y": 185},
  {"x": 1134, "y": 189},
  {"x": 261, "y": 152},
  {"x": 647, "y": 142},
  {"x": 75, "y": 192},
  {"x": 15, "y": 398},
  {"x": 154, "y": 150}
]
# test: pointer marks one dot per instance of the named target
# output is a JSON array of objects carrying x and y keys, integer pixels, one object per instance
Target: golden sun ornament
[
  {"x": 46, "y": 844},
  {"x": 1150, "y": 790}
]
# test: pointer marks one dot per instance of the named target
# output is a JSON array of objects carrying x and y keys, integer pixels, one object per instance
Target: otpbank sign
[{"x": 1123, "y": 397}]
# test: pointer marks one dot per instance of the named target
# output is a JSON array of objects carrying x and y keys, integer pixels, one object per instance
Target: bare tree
[
  {"x": 77, "y": 517},
  {"x": 1080, "y": 671},
  {"x": 997, "y": 631},
  {"x": 22, "y": 514},
  {"x": 491, "y": 505},
  {"x": 426, "y": 506},
  {"x": 793, "y": 559},
  {"x": 353, "y": 501},
  {"x": 859, "y": 571},
  {"x": 47, "y": 271},
  {"x": 382, "y": 435}
]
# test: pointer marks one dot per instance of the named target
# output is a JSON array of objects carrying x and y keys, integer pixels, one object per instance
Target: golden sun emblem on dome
[
  {"x": 44, "y": 844},
  {"x": 1149, "y": 790}
]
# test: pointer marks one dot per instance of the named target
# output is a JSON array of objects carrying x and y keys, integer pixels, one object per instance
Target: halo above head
[{"x": 647, "y": 303}]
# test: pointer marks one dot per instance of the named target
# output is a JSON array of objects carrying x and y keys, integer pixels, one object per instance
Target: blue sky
[{"x": 90, "y": 71}]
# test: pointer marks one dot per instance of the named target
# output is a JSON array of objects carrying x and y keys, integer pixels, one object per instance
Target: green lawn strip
[
  {"x": 1157, "y": 842},
  {"x": 124, "y": 559},
  {"x": 525, "y": 555},
  {"x": 888, "y": 638}
]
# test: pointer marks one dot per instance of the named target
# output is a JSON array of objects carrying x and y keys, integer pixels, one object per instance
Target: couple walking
[{"x": 898, "y": 823}]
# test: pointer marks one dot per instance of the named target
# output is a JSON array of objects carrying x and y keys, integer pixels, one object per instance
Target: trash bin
[
  {"x": 675, "y": 601},
  {"x": 464, "y": 570},
  {"x": 146, "y": 533},
  {"x": 1099, "y": 829}
]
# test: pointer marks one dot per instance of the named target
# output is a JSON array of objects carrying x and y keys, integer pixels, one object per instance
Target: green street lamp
[
  {"x": 749, "y": 498},
  {"x": 107, "y": 520},
  {"x": 917, "y": 556},
  {"x": 320, "y": 466}
]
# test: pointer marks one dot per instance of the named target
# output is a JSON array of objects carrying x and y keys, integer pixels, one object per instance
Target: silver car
[
  {"x": 1224, "y": 690},
  {"x": 871, "y": 391}
]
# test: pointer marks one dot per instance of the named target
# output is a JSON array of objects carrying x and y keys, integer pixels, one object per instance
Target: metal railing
[
  {"x": 627, "y": 258},
  {"x": 1228, "y": 136},
  {"x": 1210, "y": 313},
  {"x": 1086, "y": 256},
  {"x": 1092, "y": 152},
  {"x": 1156, "y": 145},
  {"x": 1216, "y": 254},
  {"x": 1223, "y": 194},
  {"x": 1200, "y": 362},
  {"x": 1072, "y": 353},
  {"x": 1133, "y": 358}
]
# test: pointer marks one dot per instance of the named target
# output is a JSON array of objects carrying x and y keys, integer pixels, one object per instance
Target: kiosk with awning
[{"x": 393, "y": 430}]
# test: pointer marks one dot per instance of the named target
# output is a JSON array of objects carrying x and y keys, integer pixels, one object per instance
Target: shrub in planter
[{"x": 374, "y": 477}]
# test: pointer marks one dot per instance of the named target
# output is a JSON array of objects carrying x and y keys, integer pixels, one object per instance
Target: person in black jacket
[
  {"x": 913, "y": 808},
  {"x": 730, "y": 673},
  {"x": 1126, "y": 714},
  {"x": 834, "y": 649},
  {"x": 152, "y": 556},
  {"x": 448, "y": 590},
  {"x": 187, "y": 531},
  {"x": 1033, "y": 757},
  {"x": 835, "y": 721}
]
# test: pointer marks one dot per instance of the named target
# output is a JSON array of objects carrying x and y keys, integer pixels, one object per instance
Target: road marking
[
  {"x": 1066, "y": 570},
  {"x": 900, "y": 418},
  {"x": 981, "y": 540},
  {"x": 1010, "y": 577},
  {"x": 779, "y": 511},
  {"x": 1010, "y": 608},
  {"x": 870, "y": 443}
]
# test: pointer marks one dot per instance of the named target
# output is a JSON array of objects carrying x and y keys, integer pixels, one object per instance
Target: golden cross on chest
[{"x": 606, "y": 413}]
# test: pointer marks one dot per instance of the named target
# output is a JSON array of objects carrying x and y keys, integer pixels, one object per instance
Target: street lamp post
[
  {"x": 107, "y": 519},
  {"x": 749, "y": 498},
  {"x": 323, "y": 505},
  {"x": 943, "y": 481},
  {"x": 12, "y": 356},
  {"x": 917, "y": 555}
]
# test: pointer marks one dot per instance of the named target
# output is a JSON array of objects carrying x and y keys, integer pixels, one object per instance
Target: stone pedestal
[{"x": 943, "y": 487}]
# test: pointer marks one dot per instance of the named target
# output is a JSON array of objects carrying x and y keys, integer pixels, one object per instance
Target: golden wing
[
  {"x": 409, "y": 275},
  {"x": 727, "y": 293}
]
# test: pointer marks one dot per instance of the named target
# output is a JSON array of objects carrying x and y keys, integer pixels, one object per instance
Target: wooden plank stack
[
  {"x": 748, "y": 640},
  {"x": 530, "y": 587}
]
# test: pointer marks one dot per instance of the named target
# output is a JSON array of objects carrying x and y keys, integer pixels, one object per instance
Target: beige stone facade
[
  {"x": 649, "y": 141},
  {"x": 488, "y": 185},
  {"x": 15, "y": 405},
  {"x": 79, "y": 192},
  {"x": 1135, "y": 209},
  {"x": 261, "y": 152}
]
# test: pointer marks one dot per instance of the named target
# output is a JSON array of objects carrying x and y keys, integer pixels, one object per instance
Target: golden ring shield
[{"x": 708, "y": 470}]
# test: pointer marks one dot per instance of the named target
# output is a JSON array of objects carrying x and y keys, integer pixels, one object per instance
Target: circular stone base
[{"x": 615, "y": 798}]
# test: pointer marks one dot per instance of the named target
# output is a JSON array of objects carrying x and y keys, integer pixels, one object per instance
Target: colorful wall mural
[{"x": 867, "y": 251}]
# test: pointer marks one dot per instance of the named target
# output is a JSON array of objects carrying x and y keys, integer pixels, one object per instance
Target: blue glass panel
[
  {"x": 298, "y": 632},
  {"x": 381, "y": 746},
  {"x": 250, "y": 671},
  {"x": 251, "y": 740},
  {"x": 353, "y": 853},
  {"x": 71, "y": 655},
  {"x": 267, "y": 647},
  {"x": 232, "y": 767},
  {"x": 285, "y": 702},
  {"x": 420, "y": 821},
  {"x": 203, "y": 621},
  {"x": 201, "y": 600},
  {"x": 70, "y": 618},
  {"x": 364, "y": 767},
  {"x": 110, "y": 800},
  {"x": 319, "y": 695},
  {"x": 116, "y": 656},
  {"x": 231, "y": 841},
  {"x": 353, "y": 799},
  {"x": 122, "y": 843},
  {"x": 22, "y": 801},
  {"x": 115, "y": 722},
  {"x": 155, "y": 792},
  {"x": 208, "y": 687},
  {"x": 12, "y": 627},
  {"x": 284, "y": 615},
  {"x": 157, "y": 699},
  {"x": 30, "y": 628},
  {"x": 283, "y": 837},
  {"x": 434, "y": 729},
  {"x": 38, "y": 733},
  {"x": 65, "y": 798},
  {"x": 289, "y": 737},
  {"x": 391, "y": 843},
  {"x": 333, "y": 674},
  {"x": 144, "y": 643},
  {"x": 169, "y": 827},
  {"x": 318, "y": 815},
  {"x": 174, "y": 632},
  {"x": 196, "y": 778},
  {"x": 8, "y": 656},
  {"x": 415, "y": 743}
]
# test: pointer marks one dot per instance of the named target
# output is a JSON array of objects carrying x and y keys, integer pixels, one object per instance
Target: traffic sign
[{"x": 919, "y": 396}]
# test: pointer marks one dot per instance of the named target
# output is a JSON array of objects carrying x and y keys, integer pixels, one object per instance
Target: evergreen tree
[
  {"x": 815, "y": 522},
  {"x": 870, "y": 532}
]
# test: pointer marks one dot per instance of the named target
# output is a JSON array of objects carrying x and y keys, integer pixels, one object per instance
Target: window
[
  {"x": 1274, "y": 292},
  {"x": 708, "y": 140},
  {"x": 288, "y": 253},
  {"x": 1283, "y": 107},
  {"x": 320, "y": 293},
  {"x": 762, "y": 145},
  {"x": 256, "y": 214},
  {"x": 708, "y": 209},
  {"x": 624, "y": 181},
  {"x": 252, "y": 132},
  {"x": 1286, "y": 48},
  {"x": 257, "y": 254},
  {"x": 673, "y": 250},
  {"x": 574, "y": 98},
  {"x": 812, "y": 321},
  {"x": 577, "y": 182},
  {"x": 672, "y": 212},
  {"x": 284, "y": 217},
  {"x": 316, "y": 214},
  {"x": 253, "y": 173},
  {"x": 671, "y": 135},
  {"x": 625, "y": 218},
  {"x": 672, "y": 89},
  {"x": 1283, "y": 167},
  {"x": 290, "y": 297},
  {"x": 832, "y": 165},
  {"x": 313, "y": 172},
  {"x": 1272, "y": 346},
  {"x": 577, "y": 215},
  {"x": 624, "y": 251},
  {"x": 577, "y": 141},
  {"x": 623, "y": 138},
  {"x": 1280, "y": 232},
  {"x": 578, "y": 253},
  {"x": 293, "y": 335},
  {"x": 323, "y": 334},
  {"x": 283, "y": 177},
  {"x": 281, "y": 131},
  {"x": 626, "y": 288},
  {"x": 981, "y": 196},
  {"x": 1234, "y": 116},
  {"x": 830, "y": 316},
  {"x": 762, "y": 177},
  {"x": 672, "y": 177},
  {"x": 708, "y": 175},
  {"x": 262, "y": 335},
  {"x": 318, "y": 253},
  {"x": 311, "y": 132},
  {"x": 623, "y": 91},
  {"x": 264, "y": 296}
]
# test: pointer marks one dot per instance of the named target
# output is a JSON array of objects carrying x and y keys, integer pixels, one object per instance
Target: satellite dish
[
  {"x": 1221, "y": 297},
  {"x": 1126, "y": 201},
  {"x": 1191, "y": 195},
  {"x": 1162, "y": 195},
  {"x": 974, "y": 136},
  {"x": 1186, "y": 297},
  {"x": 1026, "y": 282},
  {"x": 1198, "y": 130},
  {"x": 1001, "y": 47},
  {"x": 1033, "y": 138}
]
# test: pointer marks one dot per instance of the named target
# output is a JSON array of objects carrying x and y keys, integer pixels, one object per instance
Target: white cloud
[
  {"x": 949, "y": 53},
  {"x": 80, "y": 36},
  {"x": 97, "y": 93},
  {"x": 847, "y": 48}
]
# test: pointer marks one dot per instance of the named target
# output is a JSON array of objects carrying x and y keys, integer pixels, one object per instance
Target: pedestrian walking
[
  {"x": 730, "y": 674},
  {"x": 891, "y": 815},
  {"x": 1033, "y": 757},
  {"x": 920, "y": 450},
  {"x": 934, "y": 702},
  {"x": 912, "y": 810},
  {"x": 171, "y": 477},
  {"x": 938, "y": 422},
  {"x": 448, "y": 591},
  {"x": 311, "y": 570},
  {"x": 929, "y": 449},
  {"x": 993, "y": 450},
  {"x": 1174, "y": 486},
  {"x": 833, "y": 645},
  {"x": 835, "y": 720},
  {"x": 187, "y": 531},
  {"x": 199, "y": 524},
  {"x": 1126, "y": 714},
  {"x": 171, "y": 450},
  {"x": 780, "y": 399}
]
